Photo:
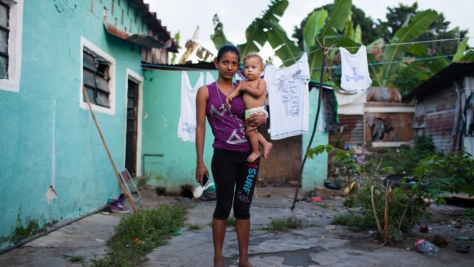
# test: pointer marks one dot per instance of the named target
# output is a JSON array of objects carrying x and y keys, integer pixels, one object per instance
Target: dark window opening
[
  {"x": 96, "y": 79},
  {"x": 4, "y": 34}
]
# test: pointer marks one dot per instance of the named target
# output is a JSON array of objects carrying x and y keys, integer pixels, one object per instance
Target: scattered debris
[
  {"x": 425, "y": 228},
  {"x": 330, "y": 227},
  {"x": 464, "y": 238},
  {"x": 440, "y": 241},
  {"x": 463, "y": 248}
]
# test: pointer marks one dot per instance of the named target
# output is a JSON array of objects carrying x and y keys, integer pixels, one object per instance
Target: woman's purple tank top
[{"x": 227, "y": 126}]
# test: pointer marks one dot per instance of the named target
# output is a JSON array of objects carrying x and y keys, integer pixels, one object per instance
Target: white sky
[{"x": 185, "y": 15}]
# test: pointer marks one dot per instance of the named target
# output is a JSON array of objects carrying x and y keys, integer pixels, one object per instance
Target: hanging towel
[
  {"x": 187, "y": 119},
  {"x": 288, "y": 99},
  {"x": 355, "y": 70}
]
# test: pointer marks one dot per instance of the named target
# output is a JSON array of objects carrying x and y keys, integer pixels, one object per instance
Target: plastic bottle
[{"x": 429, "y": 249}]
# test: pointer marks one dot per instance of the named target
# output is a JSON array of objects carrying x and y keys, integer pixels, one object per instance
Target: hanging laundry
[
  {"x": 187, "y": 119},
  {"x": 288, "y": 99},
  {"x": 209, "y": 78},
  {"x": 355, "y": 70}
]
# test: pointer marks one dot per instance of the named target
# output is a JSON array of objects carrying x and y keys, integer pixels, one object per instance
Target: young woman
[{"x": 234, "y": 177}]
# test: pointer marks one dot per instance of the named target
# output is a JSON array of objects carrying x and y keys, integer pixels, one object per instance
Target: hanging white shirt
[
  {"x": 355, "y": 70},
  {"x": 187, "y": 119},
  {"x": 288, "y": 99}
]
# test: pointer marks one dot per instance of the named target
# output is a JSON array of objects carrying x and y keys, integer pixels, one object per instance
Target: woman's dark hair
[{"x": 227, "y": 48}]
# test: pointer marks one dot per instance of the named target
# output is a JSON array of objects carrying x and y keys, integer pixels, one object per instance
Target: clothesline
[
  {"x": 396, "y": 61},
  {"x": 171, "y": 68},
  {"x": 407, "y": 43}
]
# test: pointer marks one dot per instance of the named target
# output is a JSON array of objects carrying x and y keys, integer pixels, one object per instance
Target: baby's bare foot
[
  {"x": 253, "y": 157},
  {"x": 266, "y": 149}
]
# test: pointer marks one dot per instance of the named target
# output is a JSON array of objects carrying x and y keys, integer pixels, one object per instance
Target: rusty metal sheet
[
  {"x": 141, "y": 39},
  {"x": 383, "y": 94},
  {"x": 350, "y": 130},
  {"x": 148, "y": 41},
  {"x": 440, "y": 126}
]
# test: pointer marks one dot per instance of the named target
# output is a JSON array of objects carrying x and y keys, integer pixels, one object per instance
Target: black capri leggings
[{"x": 231, "y": 171}]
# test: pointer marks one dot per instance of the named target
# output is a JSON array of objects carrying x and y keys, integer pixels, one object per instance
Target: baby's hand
[{"x": 227, "y": 102}]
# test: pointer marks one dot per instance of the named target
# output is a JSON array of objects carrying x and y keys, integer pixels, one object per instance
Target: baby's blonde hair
[{"x": 254, "y": 54}]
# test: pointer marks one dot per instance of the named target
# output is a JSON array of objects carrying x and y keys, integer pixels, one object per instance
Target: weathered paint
[
  {"x": 46, "y": 138},
  {"x": 316, "y": 169},
  {"x": 396, "y": 119}
]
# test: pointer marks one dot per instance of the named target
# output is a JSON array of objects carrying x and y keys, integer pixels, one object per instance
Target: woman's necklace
[{"x": 219, "y": 95}]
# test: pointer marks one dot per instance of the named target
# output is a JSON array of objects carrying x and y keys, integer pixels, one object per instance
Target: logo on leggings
[{"x": 250, "y": 176}]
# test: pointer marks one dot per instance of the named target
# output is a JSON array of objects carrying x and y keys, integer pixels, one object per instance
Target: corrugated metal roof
[
  {"x": 192, "y": 66},
  {"x": 451, "y": 73},
  {"x": 154, "y": 24}
]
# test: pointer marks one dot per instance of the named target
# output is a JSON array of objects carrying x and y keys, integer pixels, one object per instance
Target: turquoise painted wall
[
  {"x": 161, "y": 111},
  {"x": 315, "y": 170},
  {"x": 49, "y": 92}
]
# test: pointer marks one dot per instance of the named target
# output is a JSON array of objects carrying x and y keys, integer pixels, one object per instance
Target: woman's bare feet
[
  {"x": 245, "y": 264},
  {"x": 218, "y": 261},
  {"x": 253, "y": 157},
  {"x": 267, "y": 147}
]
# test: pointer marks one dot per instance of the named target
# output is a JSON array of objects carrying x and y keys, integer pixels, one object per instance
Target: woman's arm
[
  {"x": 201, "y": 103},
  {"x": 256, "y": 120}
]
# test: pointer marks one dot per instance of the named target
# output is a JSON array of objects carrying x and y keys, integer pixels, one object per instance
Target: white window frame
[
  {"x": 135, "y": 77},
  {"x": 12, "y": 84},
  {"x": 90, "y": 46}
]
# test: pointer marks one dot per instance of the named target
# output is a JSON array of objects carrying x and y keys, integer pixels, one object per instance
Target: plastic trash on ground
[{"x": 429, "y": 249}]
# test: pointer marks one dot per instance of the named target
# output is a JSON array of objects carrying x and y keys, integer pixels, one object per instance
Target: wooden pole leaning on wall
[
  {"x": 323, "y": 65},
  {"x": 125, "y": 191}
]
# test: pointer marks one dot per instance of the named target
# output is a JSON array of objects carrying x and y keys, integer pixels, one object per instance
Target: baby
[{"x": 254, "y": 100}]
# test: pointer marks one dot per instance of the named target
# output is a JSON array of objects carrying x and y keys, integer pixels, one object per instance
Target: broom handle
[{"x": 108, "y": 152}]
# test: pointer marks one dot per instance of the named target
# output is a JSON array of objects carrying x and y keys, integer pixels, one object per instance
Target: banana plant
[
  {"x": 335, "y": 23},
  {"x": 258, "y": 32},
  {"x": 436, "y": 62},
  {"x": 399, "y": 44},
  {"x": 322, "y": 24}
]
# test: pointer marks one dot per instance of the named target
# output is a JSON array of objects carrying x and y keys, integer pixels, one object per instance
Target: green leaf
[
  {"x": 375, "y": 70},
  {"x": 275, "y": 10},
  {"x": 460, "y": 51},
  {"x": 469, "y": 56},
  {"x": 434, "y": 64},
  {"x": 349, "y": 30},
  {"x": 374, "y": 44},
  {"x": 358, "y": 34},
  {"x": 313, "y": 26},
  {"x": 254, "y": 33},
  {"x": 338, "y": 17},
  {"x": 218, "y": 37},
  {"x": 284, "y": 48},
  {"x": 409, "y": 33}
]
